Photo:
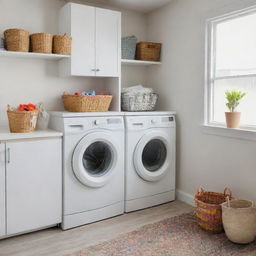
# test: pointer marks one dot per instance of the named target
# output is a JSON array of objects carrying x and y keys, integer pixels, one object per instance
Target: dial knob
[
  {"x": 153, "y": 121},
  {"x": 97, "y": 122}
]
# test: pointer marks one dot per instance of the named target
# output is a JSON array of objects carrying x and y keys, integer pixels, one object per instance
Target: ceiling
[{"x": 143, "y": 6}]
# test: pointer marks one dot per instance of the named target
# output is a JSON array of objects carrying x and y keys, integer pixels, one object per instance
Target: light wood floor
[{"x": 55, "y": 242}]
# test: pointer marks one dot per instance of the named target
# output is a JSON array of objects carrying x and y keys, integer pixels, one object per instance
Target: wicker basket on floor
[
  {"x": 208, "y": 209},
  {"x": 62, "y": 44},
  {"x": 16, "y": 40},
  {"x": 148, "y": 51},
  {"x": 86, "y": 103},
  {"x": 41, "y": 42},
  {"x": 22, "y": 121}
]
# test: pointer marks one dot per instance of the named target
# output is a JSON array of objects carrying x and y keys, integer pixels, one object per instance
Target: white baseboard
[{"x": 185, "y": 197}]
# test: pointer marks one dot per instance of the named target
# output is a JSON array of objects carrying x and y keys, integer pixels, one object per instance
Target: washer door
[
  {"x": 150, "y": 156},
  {"x": 94, "y": 159}
]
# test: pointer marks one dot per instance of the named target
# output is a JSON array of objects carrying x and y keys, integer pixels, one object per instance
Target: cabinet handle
[
  {"x": 93, "y": 69},
  {"x": 8, "y": 155},
  {"x": 97, "y": 70}
]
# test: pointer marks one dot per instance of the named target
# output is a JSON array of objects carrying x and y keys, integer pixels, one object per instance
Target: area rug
[{"x": 177, "y": 236}]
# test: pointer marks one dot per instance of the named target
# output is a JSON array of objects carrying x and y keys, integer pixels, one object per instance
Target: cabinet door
[
  {"x": 2, "y": 190},
  {"x": 33, "y": 184},
  {"x": 83, "y": 40},
  {"x": 108, "y": 43}
]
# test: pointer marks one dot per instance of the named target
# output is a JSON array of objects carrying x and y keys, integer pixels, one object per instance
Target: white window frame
[{"x": 209, "y": 126}]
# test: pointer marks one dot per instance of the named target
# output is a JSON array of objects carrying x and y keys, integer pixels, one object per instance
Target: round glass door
[
  {"x": 154, "y": 155},
  {"x": 97, "y": 158},
  {"x": 151, "y": 156},
  {"x": 94, "y": 159}
]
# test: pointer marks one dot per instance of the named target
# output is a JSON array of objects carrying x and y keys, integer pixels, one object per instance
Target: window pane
[
  {"x": 236, "y": 46},
  {"x": 247, "y": 105}
]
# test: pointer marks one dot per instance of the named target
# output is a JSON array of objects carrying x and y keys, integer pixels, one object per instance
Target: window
[{"x": 231, "y": 64}]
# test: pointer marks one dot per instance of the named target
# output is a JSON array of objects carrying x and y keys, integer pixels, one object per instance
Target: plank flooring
[{"x": 55, "y": 242}]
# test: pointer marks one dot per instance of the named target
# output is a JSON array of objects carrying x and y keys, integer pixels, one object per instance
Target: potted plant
[{"x": 233, "y": 99}]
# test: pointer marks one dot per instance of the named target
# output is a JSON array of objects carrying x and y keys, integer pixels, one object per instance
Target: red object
[
  {"x": 78, "y": 93},
  {"x": 26, "y": 107}
]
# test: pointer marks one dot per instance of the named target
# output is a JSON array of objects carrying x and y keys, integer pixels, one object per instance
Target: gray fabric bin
[{"x": 129, "y": 47}]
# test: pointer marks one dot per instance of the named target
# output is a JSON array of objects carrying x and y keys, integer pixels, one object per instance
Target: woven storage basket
[
  {"x": 16, "y": 40},
  {"x": 41, "y": 42},
  {"x": 62, "y": 44},
  {"x": 208, "y": 209},
  {"x": 139, "y": 102},
  {"x": 77, "y": 103},
  {"x": 239, "y": 220},
  {"x": 22, "y": 121},
  {"x": 148, "y": 51}
]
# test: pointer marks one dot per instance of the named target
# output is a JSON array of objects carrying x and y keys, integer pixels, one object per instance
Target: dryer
[
  {"x": 150, "y": 159},
  {"x": 93, "y": 166}
]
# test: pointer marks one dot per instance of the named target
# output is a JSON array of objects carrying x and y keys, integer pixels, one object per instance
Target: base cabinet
[{"x": 33, "y": 181}]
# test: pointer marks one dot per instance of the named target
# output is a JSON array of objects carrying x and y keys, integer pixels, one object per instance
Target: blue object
[
  {"x": 129, "y": 47},
  {"x": 91, "y": 93}
]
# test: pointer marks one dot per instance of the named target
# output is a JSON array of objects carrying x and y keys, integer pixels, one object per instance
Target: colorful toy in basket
[
  {"x": 23, "y": 118},
  {"x": 86, "y": 102},
  {"x": 208, "y": 209}
]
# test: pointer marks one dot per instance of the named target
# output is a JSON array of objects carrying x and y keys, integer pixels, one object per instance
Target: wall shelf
[
  {"x": 32, "y": 55},
  {"x": 139, "y": 62}
]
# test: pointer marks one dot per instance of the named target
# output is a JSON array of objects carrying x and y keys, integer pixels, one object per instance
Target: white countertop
[
  {"x": 109, "y": 113},
  {"x": 85, "y": 114},
  {"x": 150, "y": 113},
  {"x": 5, "y": 134}
]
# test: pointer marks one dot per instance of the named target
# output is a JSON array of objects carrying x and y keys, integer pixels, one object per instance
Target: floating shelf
[
  {"x": 32, "y": 55},
  {"x": 140, "y": 62}
]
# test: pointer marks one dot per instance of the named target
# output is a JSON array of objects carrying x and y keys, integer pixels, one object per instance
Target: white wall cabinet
[
  {"x": 96, "y": 41},
  {"x": 2, "y": 191},
  {"x": 33, "y": 182}
]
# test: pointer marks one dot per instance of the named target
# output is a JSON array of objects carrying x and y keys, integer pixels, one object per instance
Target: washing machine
[
  {"x": 93, "y": 166},
  {"x": 150, "y": 159}
]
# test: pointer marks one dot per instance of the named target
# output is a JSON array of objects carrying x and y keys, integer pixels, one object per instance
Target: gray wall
[{"x": 211, "y": 161}]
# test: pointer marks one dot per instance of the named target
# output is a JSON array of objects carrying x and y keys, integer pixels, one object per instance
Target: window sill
[{"x": 243, "y": 133}]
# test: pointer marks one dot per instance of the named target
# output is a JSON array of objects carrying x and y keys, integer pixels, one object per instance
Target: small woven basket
[
  {"x": 139, "y": 102},
  {"x": 22, "y": 121},
  {"x": 62, "y": 44},
  {"x": 41, "y": 43},
  {"x": 208, "y": 209},
  {"x": 148, "y": 51},
  {"x": 86, "y": 103},
  {"x": 16, "y": 40}
]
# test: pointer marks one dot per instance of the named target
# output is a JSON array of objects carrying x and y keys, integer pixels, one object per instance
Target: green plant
[{"x": 233, "y": 99}]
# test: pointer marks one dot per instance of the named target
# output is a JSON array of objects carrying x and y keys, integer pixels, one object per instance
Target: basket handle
[
  {"x": 200, "y": 190},
  {"x": 228, "y": 201},
  {"x": 228, "y": 192}
]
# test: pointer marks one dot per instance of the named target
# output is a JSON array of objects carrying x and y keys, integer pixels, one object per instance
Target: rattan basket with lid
[
  {"x": 62, "y": 44},
  {"x": 16, "y": 40},
  {"x": 41, "y": 42}
]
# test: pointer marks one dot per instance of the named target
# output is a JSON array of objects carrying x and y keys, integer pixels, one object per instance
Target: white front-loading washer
[
  {"x": 93, "y": 166},
  {"x": 150, "y": 159}
]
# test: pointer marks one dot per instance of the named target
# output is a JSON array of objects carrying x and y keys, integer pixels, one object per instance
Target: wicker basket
[
  {"x": 139, "y": 102},
  {"x": 62, "y": 44},
  {"x": 22, "y": 121},
  {"x": 16, "y": 40},
  {"x": 148, "y": 51},
  {"x": 77, "y": 103},
  {"x": 208, "y": 209},
  {"x": 41, "y": 42}
]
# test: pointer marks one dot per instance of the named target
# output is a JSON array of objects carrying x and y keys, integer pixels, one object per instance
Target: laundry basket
[
  {"x": 139, "y": 102},
  {"x": 239, "y": 220},
  {"x": 208, "y": 209}
]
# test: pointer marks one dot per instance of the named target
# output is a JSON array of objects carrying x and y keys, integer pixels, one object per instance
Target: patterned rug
[{"x": 177, "y": 236}]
